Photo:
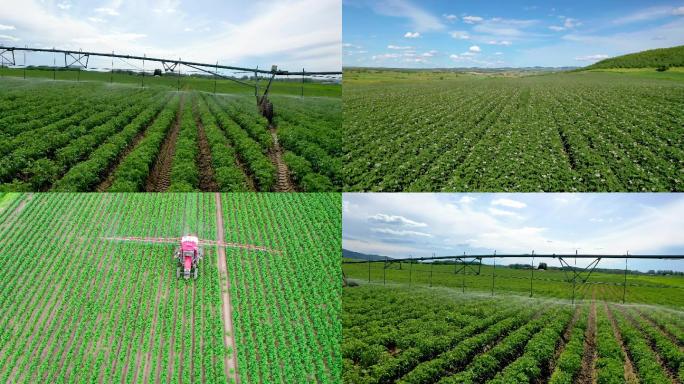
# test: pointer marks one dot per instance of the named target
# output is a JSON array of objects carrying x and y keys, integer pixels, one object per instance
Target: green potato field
[
  {"x": 110, "y": 308},
  {"x": 575, "y": 131}
]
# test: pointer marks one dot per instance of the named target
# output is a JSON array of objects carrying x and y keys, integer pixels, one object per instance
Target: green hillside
[{"x": 654, "y": 58}]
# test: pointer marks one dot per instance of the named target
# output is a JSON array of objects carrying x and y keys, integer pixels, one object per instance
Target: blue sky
[
  {"x": 515, "y": 33},
  {"x": 290, "y": 33},
  {"x": 419, "y": 224}
]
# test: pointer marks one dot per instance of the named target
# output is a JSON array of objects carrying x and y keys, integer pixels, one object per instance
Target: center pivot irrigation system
[
  {"x": 79, "y": 59},
  {"x": 190, "y": 251},
  {"x": 572, "y": 274}
]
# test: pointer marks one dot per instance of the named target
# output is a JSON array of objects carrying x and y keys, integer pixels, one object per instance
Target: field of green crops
[
  {"x": 585, "y": 131},
  {"x": 79, "y": 305},
  {"x": 95, "y": 136},
  {"x": 502, "y": 280},
  {"x": 420, "y": 335}
]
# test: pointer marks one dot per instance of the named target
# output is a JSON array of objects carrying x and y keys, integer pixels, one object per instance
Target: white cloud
[
  {"x": 398, "y": 47},
  {"x": 454, "y": 57},
  {"x": 466, "y": 199},
  {"x": 474, "y": 48},
  {"x": 499, "y": 42},
  {"x": 502, "y": 212},
  {"x": 591, "y": 57},
  {"x": 412, "y": 35},
  {"x": 450, "y": 17},
  {"x": 678, "y": 11},
  {"x": 421, "y": 19},
  {"x": 65, "y": 6},
  {"x": 4, "y": 27},
  {"x": 385, "y": 56},
  {"x": 571, "y": 23},
  {"x": 461, "y": 35},
  {"x": 395, "y": 219},
  {"x": 8, "y": 37},
  {"x": 107, "y": 11},
  {"x": 402, "y": 232},
  {"x": 510, "y": 203},
  {"x": 557, "y": 28},
  {"x": 97, "y": 20},
  {"x": 472, "y": 19},
  {"x": 498, "y": 53},
  {"x": 301, "y": 33},
  {"x": 646, "y": 14},
  {"x": 427, "y": 54}
]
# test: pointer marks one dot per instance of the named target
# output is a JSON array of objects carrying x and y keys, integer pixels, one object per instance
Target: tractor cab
[{"x": 188, "y": 255}]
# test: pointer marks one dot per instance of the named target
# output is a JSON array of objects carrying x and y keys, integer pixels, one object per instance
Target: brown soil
[
  {"x": 662, "y": 330},
  {"x": 588, "y": 373},
  {"x": 630, "y": 375},
  {"x": 230, "y": 361},
  {"x": 159, "y": 178},
  {"x": 109, "y": 179},
  {"x": 284, "y": 183},
  {"x": 251, "y": 185},
  {"x": 668, "y": 371},
  {"x": 207, "y": 183},
  {"x": 560, "y": 347}
]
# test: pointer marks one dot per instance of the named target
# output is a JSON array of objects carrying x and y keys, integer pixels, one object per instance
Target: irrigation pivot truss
[
  {"x": 465, "y": 262},
  {"x": 80, "y": 59}
]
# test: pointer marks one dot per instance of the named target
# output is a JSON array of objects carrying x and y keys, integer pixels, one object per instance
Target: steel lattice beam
[
  {"x": 161, "y": 60},
  {"x": 7, "y": 55},
  {"x": 76, "y": 58}
]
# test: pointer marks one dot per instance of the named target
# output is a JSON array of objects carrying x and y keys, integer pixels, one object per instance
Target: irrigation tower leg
[
  {"x": 410, "y": 269},
  {"x": 142, "y": 84},
  {"x": 24, "y": 65},
  {"x": 384, "y": 272},
  {"x": 178, "y": 77},
  {"x": 493, "y": 274},
  {"x": 54, "y": 68},
  {"x": 624, "y": 285},
  {"x": 463, "y": 276},
  {"x": 111, "y": 74},
  {"x": 369, "y": 261},
  {"x": 432, "y": 263},
  {"x": 215, "y": 72},
  {"x": 302, "y": 83},
  {"x": 532, "y": 274}
]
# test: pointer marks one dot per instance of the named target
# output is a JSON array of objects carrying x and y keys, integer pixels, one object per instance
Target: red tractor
[{"x": 188, "y": 255}]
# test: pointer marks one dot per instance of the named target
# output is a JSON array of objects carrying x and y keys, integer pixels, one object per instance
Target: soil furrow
[
  {"x": 630, "y": 374},
  {"x": 159, "y": 178},
  {"x": 109, "y": 178},
  {"x": 230, "y": 361},
  {"x": 588, "y": 373},
  {"x": 284, "y": 182},
  {"x": 207, "y": 183}
]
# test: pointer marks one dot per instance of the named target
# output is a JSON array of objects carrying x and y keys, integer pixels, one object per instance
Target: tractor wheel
[
  {"x": 177, "y": 272},
  {"x": 195, "y": 274},
  {"x": 269, "y": 111}
]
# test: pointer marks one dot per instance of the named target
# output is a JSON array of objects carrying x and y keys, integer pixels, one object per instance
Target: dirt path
[
  {"x": 588, "y": 373},
  {"x": 630, "y": 375},
  {"x": 284, "y": 183},
  {"x": 159, "y": 178},
  {"x": 207, "y": 183},
  {"x": 230, "y": 361}
]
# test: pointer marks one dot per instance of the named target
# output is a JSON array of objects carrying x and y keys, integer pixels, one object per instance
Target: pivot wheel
[
  {"x": 177, "y": 272},
  {"x": 195, "y": 274}
]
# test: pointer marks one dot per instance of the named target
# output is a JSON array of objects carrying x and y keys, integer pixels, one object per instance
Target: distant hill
[
  {"x": 361, "y": 256},
  {"x": 654, "y": 58}
]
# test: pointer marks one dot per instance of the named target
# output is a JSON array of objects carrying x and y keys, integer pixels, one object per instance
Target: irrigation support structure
[
  {"x": 572, "y": 274},
  {"x": 81, "y": 58}
]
